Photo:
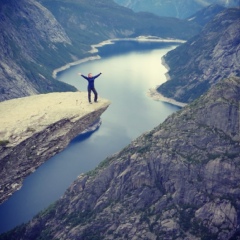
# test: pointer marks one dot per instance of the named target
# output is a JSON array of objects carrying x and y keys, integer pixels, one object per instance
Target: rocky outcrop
[
  {"x": 204, "y": 60},
  {"x": 178, "y": 181},
  {"x": 33, "y": 129}
]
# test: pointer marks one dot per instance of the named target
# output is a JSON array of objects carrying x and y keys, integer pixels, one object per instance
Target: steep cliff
[
  {"x": 30, "y": 42},
  {"x": 205, "y": 59},
  {"x": 178, "y": 181},
  {"x": 35, "y": 128}
]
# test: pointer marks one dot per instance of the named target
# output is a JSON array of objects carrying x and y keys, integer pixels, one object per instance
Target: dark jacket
[{"x": 91, "y": 80}]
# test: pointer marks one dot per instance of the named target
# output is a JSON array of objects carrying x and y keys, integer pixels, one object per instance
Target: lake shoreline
[
  {"x": 157, "y": 96},
  {"x": 94, "y": 49},
  {"x": 153, "y": 93}
]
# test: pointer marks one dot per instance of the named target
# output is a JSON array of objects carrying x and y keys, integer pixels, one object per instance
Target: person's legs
[
  {"x": 95, "y": 94},
  {"x": 89, "y": 94}
]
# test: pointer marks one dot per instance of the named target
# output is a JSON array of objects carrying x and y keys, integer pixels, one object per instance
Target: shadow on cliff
[{"x": 87, "y": 133}]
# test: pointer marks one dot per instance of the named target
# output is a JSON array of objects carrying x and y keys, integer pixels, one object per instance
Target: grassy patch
[{"x": 4, "y": 142}]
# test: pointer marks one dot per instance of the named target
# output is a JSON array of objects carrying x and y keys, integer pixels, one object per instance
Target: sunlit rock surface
[{"x": 32, "y": 129}]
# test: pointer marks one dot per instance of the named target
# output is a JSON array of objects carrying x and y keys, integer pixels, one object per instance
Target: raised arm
[
  {"x": 97, "y": 75},
  {"x": 83, "y": 76}
]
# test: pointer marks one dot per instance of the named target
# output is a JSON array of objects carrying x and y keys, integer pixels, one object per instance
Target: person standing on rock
[{"x": 91, "y": 87}]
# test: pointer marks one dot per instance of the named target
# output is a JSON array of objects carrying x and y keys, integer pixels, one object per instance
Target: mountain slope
[
  {"x": 205, "y": 15},
  {"x": 94, "y": 21},
  {"x": 174, "y": 8},
  {"x": 178, "y": 181},
  {"x": 205, "y": 59},
  {"x": 30, "y": 40}
]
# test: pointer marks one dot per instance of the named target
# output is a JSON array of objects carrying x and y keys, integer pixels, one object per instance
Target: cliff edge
[
  {"x": 177, "y": 181},
  {"x": 33, "y": 129}
]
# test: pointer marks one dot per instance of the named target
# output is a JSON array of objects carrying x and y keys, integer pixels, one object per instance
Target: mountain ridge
[
  {"x": 205, "y": 59},
  {"x": 174, "y": 8},
  {"x": 202, "y": 17}
]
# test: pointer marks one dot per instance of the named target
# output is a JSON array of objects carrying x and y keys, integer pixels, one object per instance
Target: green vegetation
[
  {"x": 49, "y": 212},
  {"x": 144, "y": 149},
  {"x": 33, "y": 72},
  {"x": 103, "y": 164},
  {"x": 39, "y": 233},
  {"x": 188, "y": 62},
  {"x": 186, "y": 214},
  {"x": 199, "y": 230},
  {"x": 30, "y": 129},
  {"x": 77, "y": 218},
  {"x": 92, "y": 234},
  {"x": 168, "y": 89},
  {"x": 85, "y": 23},
  {"x": 14, "y": 234},
  {"x": 99, "y": 20},
  {"x": 4, "y": 142}
]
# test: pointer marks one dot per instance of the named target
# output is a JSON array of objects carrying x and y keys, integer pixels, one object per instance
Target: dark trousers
[{"x": 95, "y": 94}]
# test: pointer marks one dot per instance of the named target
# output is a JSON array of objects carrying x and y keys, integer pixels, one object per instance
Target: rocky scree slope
[
  {"x": 178, "y": 181},
  {"x": 205, "y": 59},
  {"x": 33, "y": 129},
  {"x": 30, "y": 42}
]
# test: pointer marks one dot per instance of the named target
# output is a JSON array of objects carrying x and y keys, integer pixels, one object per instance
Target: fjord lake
[{"x": 129, "y": 69}]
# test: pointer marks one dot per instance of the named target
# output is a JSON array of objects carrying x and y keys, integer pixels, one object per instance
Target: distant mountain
[
  {"x": 88, "y": 22},
  {"x": 205, "y": 59},
  {"x": 174, "y": 8},
  {"x": 178, "y": 181},
  {"x": 206, "y": 14},
  {"x": 36, "y": 39}
]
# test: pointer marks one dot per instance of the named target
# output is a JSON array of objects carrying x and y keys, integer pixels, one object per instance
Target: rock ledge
[{"x": 35, "y": 128}]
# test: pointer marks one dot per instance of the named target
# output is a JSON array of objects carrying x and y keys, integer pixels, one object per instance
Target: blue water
[{"x": 129, "y": 69}]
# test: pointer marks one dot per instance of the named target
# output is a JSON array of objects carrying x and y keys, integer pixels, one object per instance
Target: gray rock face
[
  {"x": 178, "y": 181},
  {"x": 205, "y": 59},
  {"x": 33, "y": 129},
  {"x": 27, "y": 31}
]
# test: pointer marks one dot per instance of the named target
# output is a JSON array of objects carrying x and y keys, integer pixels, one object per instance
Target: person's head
[{"x": 89, "y": 75}]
